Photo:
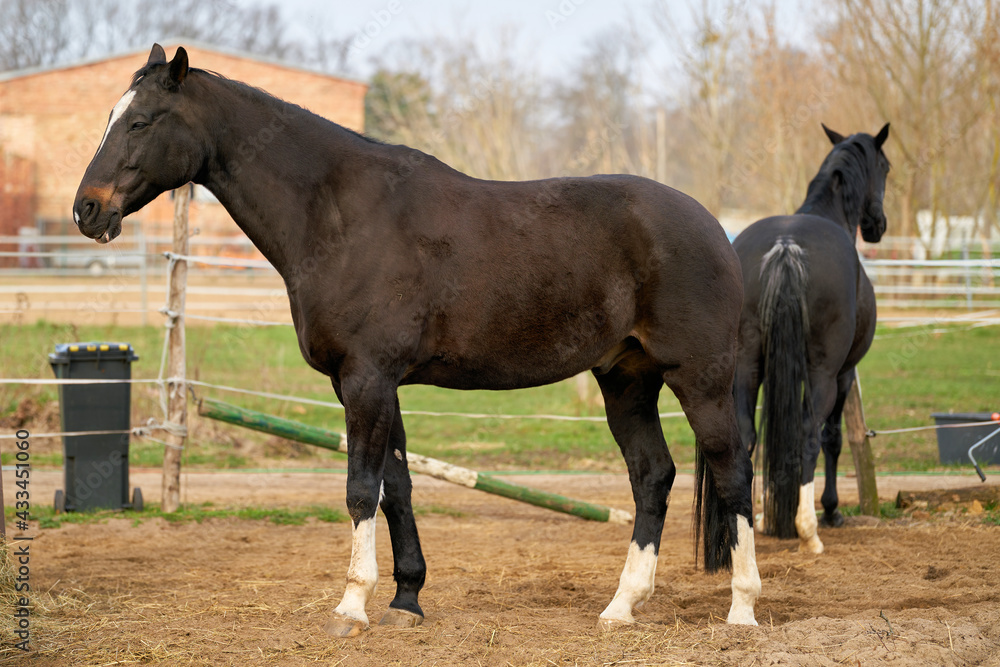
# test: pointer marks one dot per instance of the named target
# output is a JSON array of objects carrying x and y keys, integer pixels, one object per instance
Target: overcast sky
[{"x": 552, "y": 33}]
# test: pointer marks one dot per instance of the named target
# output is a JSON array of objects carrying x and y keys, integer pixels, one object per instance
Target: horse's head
[
  {"x": 864, "y": 189},
  {"x": 148, "y": 148}
]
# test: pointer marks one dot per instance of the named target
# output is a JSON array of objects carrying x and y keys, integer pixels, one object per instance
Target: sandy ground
[{"x": 507, "y": 584}]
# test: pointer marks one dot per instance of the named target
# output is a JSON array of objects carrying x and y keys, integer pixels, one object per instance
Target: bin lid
[
  {"x": 961, "y": 417},
  {"x": 92, "y": 350}
]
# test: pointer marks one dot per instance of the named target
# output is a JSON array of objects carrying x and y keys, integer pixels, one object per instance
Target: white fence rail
[
  {"x": 969, "y": 284},
  {"x": 70, "y": 278}
]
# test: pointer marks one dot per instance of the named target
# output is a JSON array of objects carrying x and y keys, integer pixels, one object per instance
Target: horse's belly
[{"x": 513, "y": 367}]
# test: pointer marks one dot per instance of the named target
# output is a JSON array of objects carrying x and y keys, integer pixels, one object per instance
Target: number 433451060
[{"x": 22, "y": 471}]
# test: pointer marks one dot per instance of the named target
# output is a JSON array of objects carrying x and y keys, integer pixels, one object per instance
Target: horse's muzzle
[
  {"x": 873, "y": 231},
  {"x": 96, "y": 222},
  {"x": 873, "y": 223}
]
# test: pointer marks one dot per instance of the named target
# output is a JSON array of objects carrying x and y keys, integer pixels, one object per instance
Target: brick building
[{"x": 52, "y": 120}]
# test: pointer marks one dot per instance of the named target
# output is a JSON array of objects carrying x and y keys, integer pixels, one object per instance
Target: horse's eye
[{"x": 138, "y": 125}]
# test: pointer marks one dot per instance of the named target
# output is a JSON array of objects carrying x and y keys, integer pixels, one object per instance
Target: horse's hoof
[
  {"x": 613, "y": 624},
  {"x": 343, "y": 626},
  {"x": 741, "y": 617},
  {"x": 811, "y": 546},
  {"x": 834, "y": 520},
  {"x": 400, "y": 618}
]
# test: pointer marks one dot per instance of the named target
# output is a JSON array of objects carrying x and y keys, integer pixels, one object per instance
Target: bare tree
[
  {"x": 478, "y": 114},
  {"x": 34, "y": 32},
  {"x": 709, "y": 60},
  {"x": 787, "y": 93},
  {"x": 47, "y": 32},
  {"x": 907, "y": 62},
  {"x": 985, "y": 141},
  {"x": 601, "y": 124}
]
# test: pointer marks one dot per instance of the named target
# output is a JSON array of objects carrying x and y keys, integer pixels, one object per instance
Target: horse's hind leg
[
  {"x": 409, "y": 569},
  {"x": 630, "y": 391},
  {"x": 746, "y": 387},
  {"x": 832, "y": 442},
  {"x": 703, "y": 385},
  {"x": 823, "y": 395}
]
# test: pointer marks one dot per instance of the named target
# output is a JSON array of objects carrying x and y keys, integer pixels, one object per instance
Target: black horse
[
  {"x": 402, "y": 270},
  {"x": 808, "y": 319}
]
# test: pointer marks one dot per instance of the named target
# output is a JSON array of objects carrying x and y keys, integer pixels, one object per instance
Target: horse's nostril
[{"x": 86, "y": 211}]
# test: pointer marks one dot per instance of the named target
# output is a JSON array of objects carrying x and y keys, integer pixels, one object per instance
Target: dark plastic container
[
  {"x": 954, "y": 443},
  {"x": 95, "y": 466}
]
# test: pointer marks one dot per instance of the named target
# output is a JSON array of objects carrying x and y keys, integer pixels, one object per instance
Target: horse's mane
[
  {"x": 250, "y": 92},
  {"x": 855, "y": 160}
]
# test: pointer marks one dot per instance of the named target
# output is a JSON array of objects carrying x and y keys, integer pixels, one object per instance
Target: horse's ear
[
  {"x": 179, "y": 66},
  {"x": 835, "y": 137},
  {"x": 882, "y": 135},
  {"x": 157, "y": 55}
]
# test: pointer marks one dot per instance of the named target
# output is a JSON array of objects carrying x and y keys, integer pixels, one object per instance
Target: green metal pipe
[{"x": 321, "y": 437}]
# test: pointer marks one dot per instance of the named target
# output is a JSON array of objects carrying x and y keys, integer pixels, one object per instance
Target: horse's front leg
[
  {"x": 409, "y": 569},
  {"x": 370, "y": 408}
]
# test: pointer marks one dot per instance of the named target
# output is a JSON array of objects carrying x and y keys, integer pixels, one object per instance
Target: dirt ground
[{"x": 508, "y": 584}]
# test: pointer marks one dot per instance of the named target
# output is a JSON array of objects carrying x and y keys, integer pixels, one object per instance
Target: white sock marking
[
  {"x": 362, "y": 575},
  {"x": 805, "y": 520},
  {"x": 116, "y": 114},
  {"x": 746, "y": 578},
  {"x": 635, "y": 585}
]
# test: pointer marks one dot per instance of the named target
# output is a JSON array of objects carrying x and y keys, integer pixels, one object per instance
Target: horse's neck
[
  {"x": 270, "y": 166},
  {"x": 825, "y": 202}
]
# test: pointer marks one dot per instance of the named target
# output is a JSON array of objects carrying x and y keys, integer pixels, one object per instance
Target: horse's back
[
  {"x": 829, "y": 251},
  {"x": 840, "y": 298},
  {"x": 558, "y": 273},
  {"x": 596, "y": 229}
]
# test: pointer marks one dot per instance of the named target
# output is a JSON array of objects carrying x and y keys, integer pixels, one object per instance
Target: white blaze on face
[
  {"x": 116, "y": 114},
  {"x": 634, "y": 587}
]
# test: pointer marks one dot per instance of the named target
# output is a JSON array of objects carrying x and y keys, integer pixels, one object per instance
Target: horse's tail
[
  {"x": 714, "y": 521},
  {"x": 784, "y": 325}
]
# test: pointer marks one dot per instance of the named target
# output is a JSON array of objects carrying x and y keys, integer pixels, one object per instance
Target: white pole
[{"x": 143, "y": 276}]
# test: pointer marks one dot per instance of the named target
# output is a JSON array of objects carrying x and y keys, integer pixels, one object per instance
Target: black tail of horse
[
  {"x": 784, "y": 326},
  {"x": 714, "y": 522}
]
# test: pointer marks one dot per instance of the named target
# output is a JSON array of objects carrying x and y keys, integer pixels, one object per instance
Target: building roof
[{"x": 169, "y": 45}]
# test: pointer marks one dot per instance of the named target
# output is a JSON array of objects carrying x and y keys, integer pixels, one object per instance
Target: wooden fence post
[
  {"x": 177, "y": 370},
  {"x": 3, "y": 510},
  {"x": 864, "y": 462}
]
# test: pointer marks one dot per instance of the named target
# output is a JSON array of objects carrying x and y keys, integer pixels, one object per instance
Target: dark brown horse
[
  {"x": 808, "y": 319},
  {"x": 402, "y": 270}
]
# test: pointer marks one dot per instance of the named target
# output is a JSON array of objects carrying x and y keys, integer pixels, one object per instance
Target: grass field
[{"x": 908, "y": 374}]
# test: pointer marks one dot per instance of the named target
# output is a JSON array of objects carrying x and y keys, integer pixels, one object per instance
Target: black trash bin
[
  {"x": 954, "y": 443},
  {"x": 95, "y": 466}
]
